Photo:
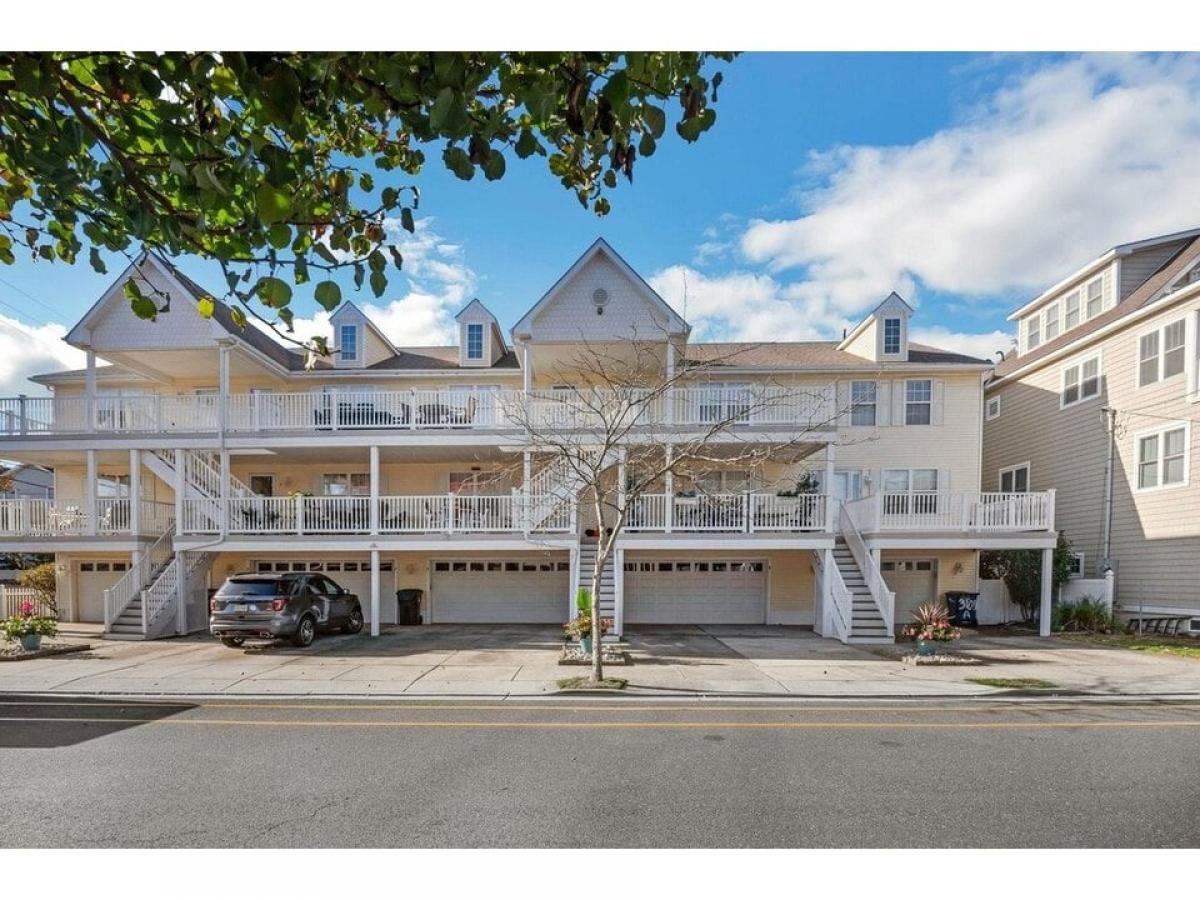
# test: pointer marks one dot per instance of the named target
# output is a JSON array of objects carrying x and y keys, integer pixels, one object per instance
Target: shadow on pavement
[{"x": 41, "y": 722}]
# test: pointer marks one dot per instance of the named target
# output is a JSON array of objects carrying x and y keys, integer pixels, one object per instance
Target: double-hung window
[
  {"x": 1080, "y": 381},
  {"x": 1015, "y": 479},
  {"x": 863, "y": 402},
  {"x": 1161, "y": 353},
  {"x": 1162, "y": 458},
  {"x": 336, "y": 484},
  {"x": 918, "y": 401},
  {"x": 474, "y": 340},
  {"x": 891, "y": 336},
  {"x": 1051, "y": 328},
  {"x": 1033, "y": 332},
  {"x": 348, "y": 343},
  {"x": 1095, "y": 297},
  {"x": 1071, "y": 312}
]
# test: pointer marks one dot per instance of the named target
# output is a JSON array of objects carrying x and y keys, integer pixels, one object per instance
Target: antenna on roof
[
  {"x": 843, "y": 332},
  {"x": 999, "y": 353}
]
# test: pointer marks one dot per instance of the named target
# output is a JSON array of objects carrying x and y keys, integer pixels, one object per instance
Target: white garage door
[
  {"x": 696, "y": 592},
  {"x": 914, "y": 581},
  {"x": 499, "y": 590},
  {"x": 94, "y": 579},
  {"x": 353, "y": 575}
]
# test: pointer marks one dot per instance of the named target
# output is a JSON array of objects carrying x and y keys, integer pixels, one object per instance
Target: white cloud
[
  {"x": 1051, "y": 170},
  {"x": 439, "y": 284},
  {"x": 981, "y": 346},
  {"x": 28, "y": 350},
  {"x": 1059, "y": 164}
]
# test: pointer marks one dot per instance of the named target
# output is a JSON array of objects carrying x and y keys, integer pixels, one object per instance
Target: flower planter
[
  {"x": 31, "y": 642},
  {"x": 585, "y": 644},
  {"x": 927, "y": 648}
]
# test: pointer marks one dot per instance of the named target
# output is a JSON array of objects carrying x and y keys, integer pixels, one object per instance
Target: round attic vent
[{"x": 599, "y": 297}]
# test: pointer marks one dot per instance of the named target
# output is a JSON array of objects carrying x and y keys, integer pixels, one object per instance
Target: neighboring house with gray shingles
[{"x": 1108, "y": 361}]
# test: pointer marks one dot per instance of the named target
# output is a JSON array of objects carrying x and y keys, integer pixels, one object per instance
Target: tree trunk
[{"x": 597, "y": 665}]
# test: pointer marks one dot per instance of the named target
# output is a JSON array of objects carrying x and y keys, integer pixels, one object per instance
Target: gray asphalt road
[{"x": 569, "y": 773}]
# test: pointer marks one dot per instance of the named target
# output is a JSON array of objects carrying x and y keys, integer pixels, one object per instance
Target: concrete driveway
[{"x": 519, "y": 661}]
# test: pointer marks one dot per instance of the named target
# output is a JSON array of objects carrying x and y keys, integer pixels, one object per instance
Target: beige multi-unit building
[
  {"x": 190, "y": 449},
  {"x": 1099, "y": 403}
]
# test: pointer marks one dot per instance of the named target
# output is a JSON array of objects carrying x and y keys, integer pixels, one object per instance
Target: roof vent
[{"x": 599, "y": 300}]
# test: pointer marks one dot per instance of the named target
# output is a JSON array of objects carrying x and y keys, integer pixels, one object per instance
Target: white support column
[
  {"x": 135, "y": 493},
  {"x": 574, "y": 576},
  {"x": 374, "y": 593},
  {"x": 180, "y": 462},
  {"x": 223, "y": 384},
  {"x": 526, "y": 511},
  {"x": 621, "y": 455},
  {"x": 526, "y": 369},
  {"x": 374, "y": 489},
  {"x": 1047, "y": 592},
  {"x": 224, "y": 491},
  {"x": 669, "y": 488},
  {"x": 669, "y": 413},
  {"x": 89, "y": 499},
  {"x": 831, "y": 504},
  {"x": 618, "y": 592},
  {"x": 827, "y": 564},
  {"x": 89, "y": 392},
  {"x": 180, "y": 594}
]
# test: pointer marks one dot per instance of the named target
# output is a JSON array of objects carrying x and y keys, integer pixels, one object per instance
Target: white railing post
[
  {"x": 747, "y": 524},
  {"x": 108, "y": 617},
  {"x": 374, "y": 512},
  {"x": 90, "y": 499},
  {"x": 1049, "y": 509},
  {"x": 335, "y": 410},
  {"x": 450, "y": 513},
  {"x": 878, "y": 510},
  {"x": 299, "y": 514}
]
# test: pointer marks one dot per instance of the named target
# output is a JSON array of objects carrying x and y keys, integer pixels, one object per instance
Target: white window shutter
[
  {"x": 936, "y": 414},
  {"x": 843, "y": 403},
  {"x": 883, "y": 403},
  {"x": 898, "y": 402}
]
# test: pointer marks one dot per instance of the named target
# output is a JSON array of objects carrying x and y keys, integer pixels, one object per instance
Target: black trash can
[
  {"x": 408, "y": 606},
  {"x": 962, "y": 608}
]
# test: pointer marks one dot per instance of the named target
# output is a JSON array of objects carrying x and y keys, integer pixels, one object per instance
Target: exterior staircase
[
  {"x": 587, "y": 561},
  {"x": 202, "y": 481},
  {"x": 867, "y": 625}
]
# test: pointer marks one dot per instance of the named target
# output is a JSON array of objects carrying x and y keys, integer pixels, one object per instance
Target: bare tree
[{"x": 627, "y": 410}]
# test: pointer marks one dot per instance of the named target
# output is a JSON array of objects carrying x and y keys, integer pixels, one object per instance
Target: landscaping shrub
[{"x": 1086, "y": 614}]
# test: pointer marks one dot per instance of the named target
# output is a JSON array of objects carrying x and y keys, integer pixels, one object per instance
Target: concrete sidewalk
[{"x": 521, "y": 661}]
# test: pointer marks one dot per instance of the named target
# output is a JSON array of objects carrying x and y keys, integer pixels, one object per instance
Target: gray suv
[{"x": 270, "y": 605}]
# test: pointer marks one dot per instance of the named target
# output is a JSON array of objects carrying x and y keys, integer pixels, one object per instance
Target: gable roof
[
  {"x": 375, "y": 329},
  {"x": 477, "y": 312},
  {"x": 1146, "y": 293},
  {"x": 890, "y": 299},
  {"x": 601, "y": 246}
]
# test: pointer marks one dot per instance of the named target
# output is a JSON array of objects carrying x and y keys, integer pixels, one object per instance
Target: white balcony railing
[
  {"x": 362, "y": 410},
  {"x": 744, "y": 512},
  {"x": 964, "y": 511},
  {"x": 28, "y": 517}
]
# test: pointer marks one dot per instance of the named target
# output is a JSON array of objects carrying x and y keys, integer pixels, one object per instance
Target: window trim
[
  {"x": 467, "y": 341},
  {"x": 988, "y": 415},
  {"x": 873, "y": 405},
  {"x": 1085, "y": 300},
  {"x": 1077, "y": 296},
  {"x": 1033, "y": 327},
  {"x": 342, "y": 354},
  {"x": 1161, "y": 353},
  {"x": 1053, "y": 306},
  {"x": 1080, "y": 557},
  {"x": 1079, "y": 363},
  {"x": 927, "y": 403},
  {"x": 1014, "y": 469},
  {"x": 1161, "y": 431},
  {"x": 888, "y": 320}
]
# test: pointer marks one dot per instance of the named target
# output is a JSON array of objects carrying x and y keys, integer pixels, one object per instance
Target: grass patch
[
  {"x": 1013, "y": 682},
  {"x": 585, "y": 683},
  {"x": 1166, "y": 645}
]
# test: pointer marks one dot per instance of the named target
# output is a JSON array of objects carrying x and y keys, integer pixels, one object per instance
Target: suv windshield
[{"x": 268, "y": 587}]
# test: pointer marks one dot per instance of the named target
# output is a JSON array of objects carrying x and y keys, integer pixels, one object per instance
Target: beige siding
[{"x": 1155, "y": 534}]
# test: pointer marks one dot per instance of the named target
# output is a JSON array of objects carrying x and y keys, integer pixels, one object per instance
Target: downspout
[{"x": 1110, "y": 425}]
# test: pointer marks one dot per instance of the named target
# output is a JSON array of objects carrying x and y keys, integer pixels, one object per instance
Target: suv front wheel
[
  {"x": 354, "y": 624},
  {"x": 305, "y": 632}
]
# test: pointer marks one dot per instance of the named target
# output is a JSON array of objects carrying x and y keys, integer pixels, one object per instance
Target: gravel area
[{"x": 11, "y": 651}]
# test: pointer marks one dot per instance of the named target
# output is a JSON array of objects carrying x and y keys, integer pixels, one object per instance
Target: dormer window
[
  {"x": 891, "y": 336},
  {"x": 474, "y": 340},
  {"x": 348, "y": 343}
]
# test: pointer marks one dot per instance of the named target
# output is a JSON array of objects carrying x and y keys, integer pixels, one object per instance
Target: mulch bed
[{"x": 11, "y": 651}]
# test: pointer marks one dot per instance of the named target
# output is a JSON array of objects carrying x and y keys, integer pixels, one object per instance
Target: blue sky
[{"x": 967, "y": 183}]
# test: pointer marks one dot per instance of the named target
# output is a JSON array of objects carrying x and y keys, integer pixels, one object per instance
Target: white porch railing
[
  {"x": 744, "y": 512},
  {"x": 445, "y": 408},
  {"x": 969, "y": 511},
  {"x": 121, "y": 594},
  {"x": 884, "y": 598},
  {"x": 401, "y": 514},
  {"x": 29, "y": 517},
  {"x": 842, "y": 613}
]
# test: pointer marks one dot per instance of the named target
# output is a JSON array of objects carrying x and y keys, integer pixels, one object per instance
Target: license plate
[{"x": 241, "y": 607}]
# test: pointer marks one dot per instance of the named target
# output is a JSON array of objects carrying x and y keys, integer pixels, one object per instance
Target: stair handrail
[
  {"x": 118, "y": 597},
  {"x": 885, "y": 600},
  {"x": 843, "y": 603}
]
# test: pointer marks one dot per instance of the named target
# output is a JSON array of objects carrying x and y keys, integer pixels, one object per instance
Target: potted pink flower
[
  {"x": 29, "y": 628},
  {"x": 930, "y": 627}
]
